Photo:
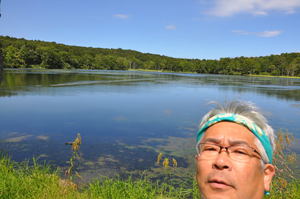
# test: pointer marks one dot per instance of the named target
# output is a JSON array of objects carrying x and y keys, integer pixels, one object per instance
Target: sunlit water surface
[{"x": 126, "y": 118}]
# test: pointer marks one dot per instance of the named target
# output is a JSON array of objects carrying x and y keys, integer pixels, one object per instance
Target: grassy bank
[
  {"x": 20, "y": 181},
  {"x": 295, "y": 77},
  {"x": 161, "y": 71},
  {"x": 168, "y": 71}
]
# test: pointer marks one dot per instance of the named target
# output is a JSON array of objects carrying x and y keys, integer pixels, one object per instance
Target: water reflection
[
  {"x": 21, "y": 81},
  {"x": 1, "y": 75}
]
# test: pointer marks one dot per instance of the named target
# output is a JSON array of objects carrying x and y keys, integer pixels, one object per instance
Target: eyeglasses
[{"x": 238, "y": 152}]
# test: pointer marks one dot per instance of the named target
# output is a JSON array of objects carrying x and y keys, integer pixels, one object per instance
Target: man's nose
[{"x": 222, "y": 160}]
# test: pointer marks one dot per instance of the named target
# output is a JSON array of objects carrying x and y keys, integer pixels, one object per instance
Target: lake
[{"x": 126, "y": 118}]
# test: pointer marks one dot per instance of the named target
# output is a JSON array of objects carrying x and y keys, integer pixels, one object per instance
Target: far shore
[
  {"x": 297, "y": 77},
  {"x": 164, "y": 71},
  {"x": 251, "y": 75}
]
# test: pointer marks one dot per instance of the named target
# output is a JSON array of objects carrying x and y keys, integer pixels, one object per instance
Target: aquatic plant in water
[
  {"x": 75, "y": 146},
  {"x": 166, "y": 161},
  {"x": 159, "y": 157}
]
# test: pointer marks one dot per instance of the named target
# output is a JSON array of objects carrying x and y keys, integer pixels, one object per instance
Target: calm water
[{"x": 125, "y": 118}]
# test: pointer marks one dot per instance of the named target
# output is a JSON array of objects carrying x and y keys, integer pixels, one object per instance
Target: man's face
[{"x": 222, "y": 177}]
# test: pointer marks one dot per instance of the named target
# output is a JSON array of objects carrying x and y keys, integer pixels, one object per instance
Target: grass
[
  {"x": 187, "y": 72},
  {"x": 161, "y": 71},
  {"x": 21, "y": 181},
  {"x": 296, "y": 77},
  {"x": 282, "y": 190}
]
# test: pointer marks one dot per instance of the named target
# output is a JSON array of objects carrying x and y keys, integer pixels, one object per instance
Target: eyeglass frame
[{"x": 227, "y": 150}]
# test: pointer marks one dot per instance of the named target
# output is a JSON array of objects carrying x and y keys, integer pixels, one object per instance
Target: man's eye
[
  {"x": 210, "y": 149},
  {"x": 240, "y": 151}
]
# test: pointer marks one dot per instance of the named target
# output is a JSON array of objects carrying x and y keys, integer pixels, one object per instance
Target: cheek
[
  {"x": 246, "y": 175},
  {"x": 202, "y": 171}
]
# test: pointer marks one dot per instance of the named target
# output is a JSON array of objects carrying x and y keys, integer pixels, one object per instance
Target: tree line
[{"x": 22, "y": 53}]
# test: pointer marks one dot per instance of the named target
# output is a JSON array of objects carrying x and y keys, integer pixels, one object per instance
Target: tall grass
[
  {"x": 285, "y": 190},
  {"x": 135, "y": 189},
  {"x": 21, "y": 181}
]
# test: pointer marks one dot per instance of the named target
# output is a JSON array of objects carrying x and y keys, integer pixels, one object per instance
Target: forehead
[{"x": 229, "y": 132}]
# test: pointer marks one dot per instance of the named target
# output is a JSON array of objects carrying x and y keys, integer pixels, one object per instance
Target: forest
[{"x": 22, "y": 53}]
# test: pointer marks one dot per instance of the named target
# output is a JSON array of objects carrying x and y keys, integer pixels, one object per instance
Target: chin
[{"x": 219, "y": 194}]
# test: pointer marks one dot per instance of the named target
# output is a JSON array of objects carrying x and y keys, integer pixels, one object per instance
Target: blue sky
[{"x": 203, "y": 29}]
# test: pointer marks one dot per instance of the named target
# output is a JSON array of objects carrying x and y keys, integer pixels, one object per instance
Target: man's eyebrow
[
  {"x": 235, "y": 142},
  {"x": 231, "y": 142},
  {"x": 213, "y": 140}
]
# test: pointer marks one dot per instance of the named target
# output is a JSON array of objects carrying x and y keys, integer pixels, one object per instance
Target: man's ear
[{"x": 269, "y": 172}]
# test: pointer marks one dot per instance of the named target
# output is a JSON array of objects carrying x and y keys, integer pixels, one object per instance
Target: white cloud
[
  {"x": 267, "y": 33},
  {"x": 260, "y": 13},
  {"x": 273, "y": 33},
  {"x": 121, "y": 16},
  {"x": 170, "y": 27},
  {"x": 255, "y": 7}
]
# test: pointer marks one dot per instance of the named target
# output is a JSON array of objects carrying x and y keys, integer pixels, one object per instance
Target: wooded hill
[{"x": 22, "y": 53}]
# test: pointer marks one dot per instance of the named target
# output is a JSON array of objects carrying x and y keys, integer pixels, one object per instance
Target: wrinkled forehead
[{"x": 228, "y": 133}]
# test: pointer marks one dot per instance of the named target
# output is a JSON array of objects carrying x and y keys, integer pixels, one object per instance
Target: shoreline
[
  {"x": 158, "y": 71},
  {"x": 23, "y": 181},
  {"x": 291, "y": 77}
]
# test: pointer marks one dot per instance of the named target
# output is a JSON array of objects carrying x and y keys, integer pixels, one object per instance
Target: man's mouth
[{"x": 219, "y": 184}]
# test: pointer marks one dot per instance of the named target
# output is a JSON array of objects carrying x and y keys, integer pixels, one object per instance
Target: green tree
[
  {"x": 30, "y": 56},
  {"x": 25, "y": 53},
  {"x": 13, "y": 58},
  {"x": 123, "y": 63},
  {"x": 293, "y": 68},
  {"x": 51, "y": 59}
]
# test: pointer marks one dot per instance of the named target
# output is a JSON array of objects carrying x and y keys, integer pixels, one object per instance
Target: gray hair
[{"x": 250, "y": 111}]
